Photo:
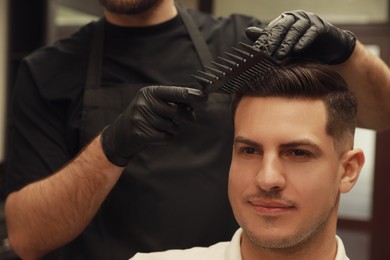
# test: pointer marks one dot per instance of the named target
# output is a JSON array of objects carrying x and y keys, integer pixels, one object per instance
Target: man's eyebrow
[
  {"x": 243, "y": 140},
  {"x": 303, "y": 142},
  {"x": 292, "y": 144}
]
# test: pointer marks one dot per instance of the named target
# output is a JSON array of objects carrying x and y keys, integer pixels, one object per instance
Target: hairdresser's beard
[{"x": 129, "y": 6}]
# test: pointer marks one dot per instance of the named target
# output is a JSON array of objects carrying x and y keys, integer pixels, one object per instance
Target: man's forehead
[
  {"x": 272, "y": 113},
  {"x": 295, "y": 103}
]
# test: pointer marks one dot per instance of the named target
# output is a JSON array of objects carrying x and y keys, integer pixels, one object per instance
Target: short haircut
[{"x": 308, "y": 81}]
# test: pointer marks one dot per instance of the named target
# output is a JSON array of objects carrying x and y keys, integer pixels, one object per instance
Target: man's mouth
[{"x": 271, "y": 207}]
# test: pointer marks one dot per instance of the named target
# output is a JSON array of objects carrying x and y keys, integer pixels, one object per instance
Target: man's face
[
  {"x": 129, "y": 6},
  {"x": 285, "y": 172}
]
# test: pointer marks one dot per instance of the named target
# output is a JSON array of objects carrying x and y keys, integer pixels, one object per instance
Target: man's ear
[{"x": 352, "y": 163}]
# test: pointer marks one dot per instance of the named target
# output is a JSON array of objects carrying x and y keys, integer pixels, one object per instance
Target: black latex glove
[
  {"x": 153, "y": 116},
  {"x": 304, "y": 35}
]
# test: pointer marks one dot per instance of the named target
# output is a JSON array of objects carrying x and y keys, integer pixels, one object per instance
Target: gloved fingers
[
  {"x": 181, "y": 112},
  {"x": 176, "y": 94},
  {"x": 154, "y": 115},
  {"x": 307, "y": 39},
  {"x": 292, "y": 38},
  {"x": 317, "y": 28},
  {"x": 174, "y": 102},
  {"x": 276, "y": 20},
  {"x": 253, "y": 33},
  {"x": 156, "y": 128},
  {"x": 274, "y": 34},
  {"x": 160, "y": 115}
]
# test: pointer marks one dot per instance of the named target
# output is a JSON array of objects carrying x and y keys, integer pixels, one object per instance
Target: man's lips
[{"x": 271, "y": 207}]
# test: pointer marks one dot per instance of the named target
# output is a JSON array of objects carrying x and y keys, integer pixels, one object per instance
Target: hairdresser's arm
[
  {"x": 49, "y": 213},
  {"x": 369, "y": 78}
]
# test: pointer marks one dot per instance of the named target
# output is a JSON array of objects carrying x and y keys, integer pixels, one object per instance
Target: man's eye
[
  {"x": 248, "y": 150},
  {"x": 299, "y": 155}
]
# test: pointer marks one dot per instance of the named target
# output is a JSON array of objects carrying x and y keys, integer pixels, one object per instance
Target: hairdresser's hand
[
  {"x": 304, "y": 35},
  {"x": 153, "y": 116}
]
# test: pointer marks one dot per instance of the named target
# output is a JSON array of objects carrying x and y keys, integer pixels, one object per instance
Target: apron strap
[
  {"x": 196, "y": 37},
  {"x": 94, "y": 70},
  {"x": 93, "y": 78}
]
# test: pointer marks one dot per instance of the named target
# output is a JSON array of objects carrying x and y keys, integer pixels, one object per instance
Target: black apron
[
  {"x": 141, "y": 196},
  {"x": 90, "y": 127}
]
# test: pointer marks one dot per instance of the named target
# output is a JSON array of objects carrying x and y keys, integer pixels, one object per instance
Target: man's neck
[{"x": 161, "y": 13}]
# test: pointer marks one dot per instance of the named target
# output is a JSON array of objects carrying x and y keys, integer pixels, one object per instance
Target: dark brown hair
[{"x": 308, "y": 81}]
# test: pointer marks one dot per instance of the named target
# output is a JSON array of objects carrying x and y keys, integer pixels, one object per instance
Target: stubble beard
[
  {"x": 129, "y": 7},
  {"x": 290, "y": 242},
  {"x": 313, "y": 227}
]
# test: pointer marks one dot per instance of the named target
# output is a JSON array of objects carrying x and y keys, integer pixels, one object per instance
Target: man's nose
[{"x": 271, "y": 176}]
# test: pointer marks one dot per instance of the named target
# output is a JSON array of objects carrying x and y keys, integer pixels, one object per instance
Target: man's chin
[{"x": 129, "y": 7}]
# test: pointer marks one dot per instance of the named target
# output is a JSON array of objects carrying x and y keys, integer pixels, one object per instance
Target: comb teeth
[
  {"x": 239, "y": 51},
  {"x": 231, "y": 74},
  {"x": 240, "y": 59},
  {"x": 249, "y": 48},
  {"x": 202, "y": 80},
  {"x": 221, "y": 66},
  {"x": 229, "y": 62},
  {"x": 209, "y": 75},
  {"x": 221, "y": 73}
]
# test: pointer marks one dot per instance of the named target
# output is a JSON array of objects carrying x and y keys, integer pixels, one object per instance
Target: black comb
[{"x": 232, "y": 72}]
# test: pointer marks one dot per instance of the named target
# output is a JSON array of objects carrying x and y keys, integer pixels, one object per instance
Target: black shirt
[{"x": 171, "y": 196}]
